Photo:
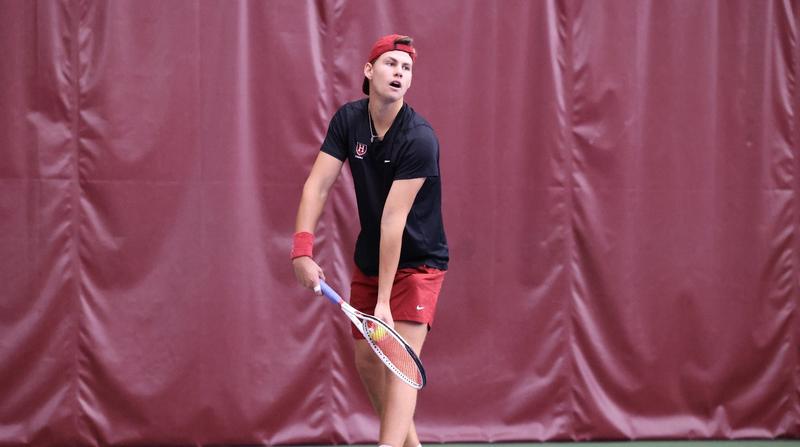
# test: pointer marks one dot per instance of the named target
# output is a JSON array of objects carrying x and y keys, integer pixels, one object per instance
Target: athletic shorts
[{"x": 414, "y": 294}]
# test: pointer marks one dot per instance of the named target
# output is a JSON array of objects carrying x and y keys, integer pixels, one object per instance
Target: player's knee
[{"x": 368, "y": 363}]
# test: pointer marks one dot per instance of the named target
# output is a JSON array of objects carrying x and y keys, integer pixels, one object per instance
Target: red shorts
[{"x": 414, "y": 294}]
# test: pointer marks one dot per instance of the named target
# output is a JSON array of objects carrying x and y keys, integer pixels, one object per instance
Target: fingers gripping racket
[{"x": 389, "y": 346}]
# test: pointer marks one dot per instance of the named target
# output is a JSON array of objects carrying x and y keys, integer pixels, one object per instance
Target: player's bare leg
[
  {"x": 374, "y": 375},
  {"x": 400, "y": 400}
]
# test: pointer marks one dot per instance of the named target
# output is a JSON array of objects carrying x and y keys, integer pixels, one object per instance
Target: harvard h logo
[{"x": 361, "y": 150}]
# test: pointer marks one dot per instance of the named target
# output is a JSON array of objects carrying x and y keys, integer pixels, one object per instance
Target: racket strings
[{"x": 387, "y": 345}]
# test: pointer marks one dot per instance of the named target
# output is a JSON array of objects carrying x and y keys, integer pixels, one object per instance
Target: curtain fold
[{"x": 620, "y": 186}]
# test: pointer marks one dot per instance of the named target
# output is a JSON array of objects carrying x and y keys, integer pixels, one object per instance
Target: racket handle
[{"x": 330, "y": 293}]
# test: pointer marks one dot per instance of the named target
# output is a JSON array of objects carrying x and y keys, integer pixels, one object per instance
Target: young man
[{"x": 401, "y": 254}]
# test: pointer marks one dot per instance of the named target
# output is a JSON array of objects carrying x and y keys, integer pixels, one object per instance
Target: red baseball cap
[{"x": 387, "y": 43}]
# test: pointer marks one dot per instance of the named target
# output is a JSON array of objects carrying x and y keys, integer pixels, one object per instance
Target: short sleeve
[
  {"x": 334, "y": 143},
  {"x": 420, "y": 156}
]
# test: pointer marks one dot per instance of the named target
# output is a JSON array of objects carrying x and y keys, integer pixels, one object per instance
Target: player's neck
[{"x": 383, "y": 113}]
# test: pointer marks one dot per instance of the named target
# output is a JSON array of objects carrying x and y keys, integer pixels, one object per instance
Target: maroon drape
[{"x": 621, "y": 196}]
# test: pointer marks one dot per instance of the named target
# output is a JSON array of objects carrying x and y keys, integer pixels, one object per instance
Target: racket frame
[{"x": 359, "y": 320}]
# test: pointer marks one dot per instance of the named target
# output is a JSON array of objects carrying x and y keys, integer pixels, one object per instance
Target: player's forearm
[
  {"x": 315, "y": 191},
  {"x": 391, "y": 242},
  {"x": 311, "y": 204}
]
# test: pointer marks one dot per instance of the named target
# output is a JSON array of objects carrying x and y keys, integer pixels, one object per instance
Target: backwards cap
[{"x": 385, "y": 44}]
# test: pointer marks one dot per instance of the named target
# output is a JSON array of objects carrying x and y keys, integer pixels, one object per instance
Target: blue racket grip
[{"x": 330, "y": 293}]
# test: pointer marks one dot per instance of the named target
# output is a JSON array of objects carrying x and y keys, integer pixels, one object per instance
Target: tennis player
[{"x": 401, "y": 254}]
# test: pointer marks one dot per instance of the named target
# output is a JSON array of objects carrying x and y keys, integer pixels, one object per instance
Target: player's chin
[{"x": 395, "y": 93}]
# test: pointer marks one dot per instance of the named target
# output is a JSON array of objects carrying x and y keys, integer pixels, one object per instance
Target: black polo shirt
[{"x": 409, "y": 150}]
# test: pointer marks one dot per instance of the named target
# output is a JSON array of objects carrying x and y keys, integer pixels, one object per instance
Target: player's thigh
[{"x": 414, "y": 333}]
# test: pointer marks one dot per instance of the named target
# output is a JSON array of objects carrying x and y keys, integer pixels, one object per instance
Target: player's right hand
[{"x": 308, "y": 273}]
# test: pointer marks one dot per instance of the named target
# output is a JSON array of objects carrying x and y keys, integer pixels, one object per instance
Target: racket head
[
  {"x": 387, "y": 344},
  {"x": 393, "y": 351}
]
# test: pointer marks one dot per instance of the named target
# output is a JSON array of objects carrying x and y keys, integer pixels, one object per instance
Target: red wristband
[{"x": 303, "y": 244}]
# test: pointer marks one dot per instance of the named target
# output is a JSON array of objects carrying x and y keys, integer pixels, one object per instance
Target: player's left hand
[{"x": 384, "y": 313}]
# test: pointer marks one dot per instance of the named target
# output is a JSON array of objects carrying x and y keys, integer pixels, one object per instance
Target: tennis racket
[{"x": 389, "y": 346}]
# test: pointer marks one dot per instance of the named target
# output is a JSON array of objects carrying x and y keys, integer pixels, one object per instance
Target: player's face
[{"x": 390, "y": 74}]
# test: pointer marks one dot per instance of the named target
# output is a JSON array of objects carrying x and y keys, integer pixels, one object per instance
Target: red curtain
[{"x": 620, "y": 196}]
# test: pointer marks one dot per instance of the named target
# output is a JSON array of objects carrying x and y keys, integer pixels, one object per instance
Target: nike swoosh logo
[{"x": 420, "y": 307}]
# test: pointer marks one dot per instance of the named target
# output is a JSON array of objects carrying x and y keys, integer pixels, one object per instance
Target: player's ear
[{"x": 368, "y": 71}]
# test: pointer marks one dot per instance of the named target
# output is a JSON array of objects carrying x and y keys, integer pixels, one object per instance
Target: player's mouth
[{"x": 395, "y": 84}]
